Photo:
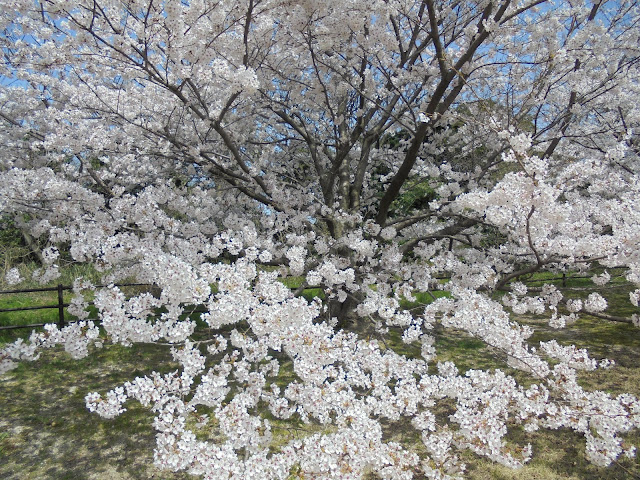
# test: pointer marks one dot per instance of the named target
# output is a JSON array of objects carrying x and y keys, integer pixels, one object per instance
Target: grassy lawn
[
  {"x": 46, "y": 432},
  {"x": 559, "y": 454}
]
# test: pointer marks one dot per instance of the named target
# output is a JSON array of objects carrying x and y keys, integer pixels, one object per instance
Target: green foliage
[
  {"x": 416, "y": 194},
  {"x": 491, "y": 236},
  {"x": 12, "y": 249}
]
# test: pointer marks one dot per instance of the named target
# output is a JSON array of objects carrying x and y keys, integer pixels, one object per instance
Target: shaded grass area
[
  {"x": 46, "y": 431},
  {"x": 557, "y": 455}
]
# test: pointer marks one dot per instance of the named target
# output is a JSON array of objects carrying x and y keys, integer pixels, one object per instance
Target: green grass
[
  {"x": 46, "y": 432},
  {"x": 31, "y": 299},
  {"x": 28, "y": 317},
  {"x": 295, "y": 282}
]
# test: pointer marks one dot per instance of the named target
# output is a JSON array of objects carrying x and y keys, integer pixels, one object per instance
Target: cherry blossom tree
[{"x": 370, "y": 149}]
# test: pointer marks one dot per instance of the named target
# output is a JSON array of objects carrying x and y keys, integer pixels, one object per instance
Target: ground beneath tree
[{"x": 46, "y": 431}]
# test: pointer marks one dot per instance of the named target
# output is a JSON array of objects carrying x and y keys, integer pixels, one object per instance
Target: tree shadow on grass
[
  {"x": 46, "y": 431},
  {"x": 557, "y": 455}
]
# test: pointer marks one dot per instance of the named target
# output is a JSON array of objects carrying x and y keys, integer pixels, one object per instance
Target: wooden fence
[{"x": 60, "y": 305}]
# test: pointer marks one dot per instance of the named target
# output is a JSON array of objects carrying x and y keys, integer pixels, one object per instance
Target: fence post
[{"x": 60, "y": 307}]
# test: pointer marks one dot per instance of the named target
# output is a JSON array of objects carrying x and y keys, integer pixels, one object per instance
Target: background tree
[{"x": 370, "y": 148}]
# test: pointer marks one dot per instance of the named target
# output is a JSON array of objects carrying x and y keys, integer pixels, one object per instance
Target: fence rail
[{"x": 60, "y": 305}]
